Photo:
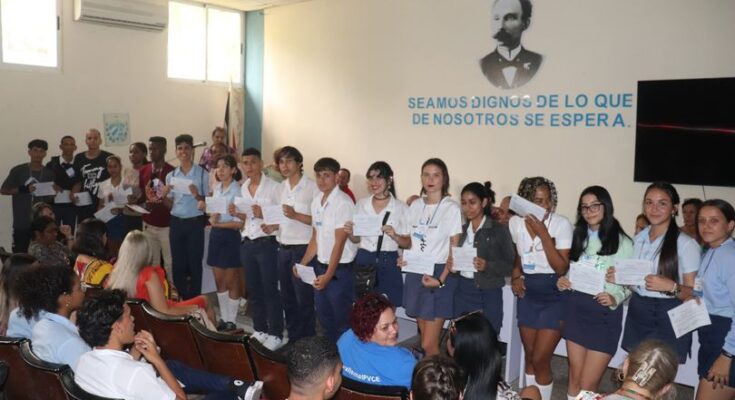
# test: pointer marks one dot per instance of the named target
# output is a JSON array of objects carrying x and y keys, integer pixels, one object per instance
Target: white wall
[
  {"x": 338, "y": 75},
  {"x": 104, "y": 69}
]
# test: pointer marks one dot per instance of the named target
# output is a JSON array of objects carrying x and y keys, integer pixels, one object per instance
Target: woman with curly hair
[
  {"x": 44, "y": 245},
  {"x": 55, "y": 291},
  {"x": 542, "y": 257},
  {"x": 368, "y": 350},
  {"x": 12, "y": 324}
]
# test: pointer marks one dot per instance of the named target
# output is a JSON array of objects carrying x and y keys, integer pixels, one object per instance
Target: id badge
[
  {"x": 318, "y": 218},
  {"x": 698, "y": 287},
  {"x": 528, "y": 261},
  {"x": 420, "y": 232},
  {"x": 70, "y": 172}
]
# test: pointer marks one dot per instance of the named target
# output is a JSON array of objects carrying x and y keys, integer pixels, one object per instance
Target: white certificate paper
[
  {"x": 689, "y": 316},
  {"x": 586, "y": 278},
  {"x": 63, "y": 197},
  {"x": 137, "y": 208},
  {"x": 524, "y": 207},
  {"x": 216, "y": 204},
  {"x": 83, "y": 198},
  {"x": 306, "y": 274},
  {"x": 180, "y": 185},
  {"x": 418, "y": 262},
  {"x": 273, "y": 215},
  {"x": 105, "y": 213},
  {"x": 367, "y": 225},
  {"x": 632, "y": 272},
  {"x": 244, "y": 206},
  {"x": 463, "y": 259},
  {"x": 121, "y": 198},
  {"x": 44, "y": 189}
]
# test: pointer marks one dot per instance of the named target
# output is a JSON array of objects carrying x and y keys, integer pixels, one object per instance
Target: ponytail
[{"x": 483, "y": 192}]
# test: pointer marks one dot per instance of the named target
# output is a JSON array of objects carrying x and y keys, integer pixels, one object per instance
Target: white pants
[{"x": 159, "y": 241}]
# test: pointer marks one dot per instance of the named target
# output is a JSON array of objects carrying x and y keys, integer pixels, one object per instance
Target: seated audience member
[
  {"x": 44, "y": 246},
  {"x": 65, "y": 235},
  {"x": 437, "y": 378},
  {"x": 648, "y": 373},
  {"x": 12, "y": 324},
  {"x": 92, "y": 262},
  {"x": 641, "y": 222},
  {"x": 314, "y": 369},
  {"x": 369, "y": 349},
  {"x": 106, "y": 325},
  {"x": 134, "y": 274},
  {"x": 689, "y": 210},
  {"x": 55, "y": 291},
  {"x": 474, "y": 346}
]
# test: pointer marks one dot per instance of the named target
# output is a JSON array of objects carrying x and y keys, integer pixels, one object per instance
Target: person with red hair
[{"x": 368, "y": 350}]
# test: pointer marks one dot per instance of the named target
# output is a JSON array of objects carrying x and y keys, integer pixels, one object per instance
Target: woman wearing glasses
[
  {"x": 593, "y": 323},
  {"x": 543, "y": 255}
]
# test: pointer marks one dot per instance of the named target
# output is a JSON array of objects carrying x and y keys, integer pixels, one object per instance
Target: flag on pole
[{"x": 226, "y": 125}]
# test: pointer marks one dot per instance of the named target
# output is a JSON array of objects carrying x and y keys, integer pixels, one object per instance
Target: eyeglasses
[
  {"x": 592, "y": 208},
  {"x": 453, "y": 325}
]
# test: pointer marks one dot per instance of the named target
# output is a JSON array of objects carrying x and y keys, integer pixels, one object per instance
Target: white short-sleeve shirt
[
  {"x": 328, "y": 217},
  {"x": 688, "y": 253},
  {"x": 267, "y": 194},
  {"x": 531, "y": 251},
  {"x": 106, "y": 188},
  {"x": 115, "y": 374},
  {"x": 432, "y": 225},
  {"x": 299, "y": 197},
  {"x": 398, "y": 219}
]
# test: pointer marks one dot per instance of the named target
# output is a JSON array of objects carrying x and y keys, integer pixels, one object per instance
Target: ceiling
[{"x": 249, "y": 5}]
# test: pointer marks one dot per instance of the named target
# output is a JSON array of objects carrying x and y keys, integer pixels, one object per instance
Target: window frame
[{"x": 38, "y": 68}]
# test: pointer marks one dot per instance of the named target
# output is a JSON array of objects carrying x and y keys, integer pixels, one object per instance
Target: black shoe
[{"x": 223, "y": 326}]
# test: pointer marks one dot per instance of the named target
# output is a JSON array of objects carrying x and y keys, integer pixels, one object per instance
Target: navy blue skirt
[
  {"x": 429, "y": 303},
  {"x": 224, "y": 248},
  {"x": 591, "y": 325},
  {"x": 542, "y": 307},
  {"x": 648, "y": 319},
  {"x": 388, "y": 279},
  {"x": 470, "y": 297},
  {"x": 711, "y": 340}
]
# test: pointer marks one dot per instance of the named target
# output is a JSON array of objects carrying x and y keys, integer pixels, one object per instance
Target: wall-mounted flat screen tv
[{"x": 685, "y": 131}]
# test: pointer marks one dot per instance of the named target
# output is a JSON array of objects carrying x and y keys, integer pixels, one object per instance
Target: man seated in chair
[
  {"x": 314, "y": 369},
  {"x": 108, "y": 370}
]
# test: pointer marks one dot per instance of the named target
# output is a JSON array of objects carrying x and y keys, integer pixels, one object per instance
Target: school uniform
[
  {"x": 258, "y": 254},
  {"x": 333, "y": 303},
  {"x": 647, "y": 310},
  {"x": 297, "y": 297},
  {"x": 586, "y": 322},
  {"x": 431, "y": 227},
  {"x": 542, "y": 306},
  {"x": 224, "y": 243},
  {"x": 388, "y": 278},
  {"x": 718, "y": 291},
  {"x": 105, "y": 191},
  {"x": 484, "y": 290},
  {"x": 186, "y": 233}
]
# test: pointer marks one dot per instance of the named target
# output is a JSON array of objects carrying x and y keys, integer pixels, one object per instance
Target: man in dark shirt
[
  {"x": 92, "y": 167},
  {"x": 21, "y": 183},
  {"x": 65, "y": 178}
]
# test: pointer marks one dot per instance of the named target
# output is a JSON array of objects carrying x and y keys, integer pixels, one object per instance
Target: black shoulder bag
[{"x": 365, "y": 275}]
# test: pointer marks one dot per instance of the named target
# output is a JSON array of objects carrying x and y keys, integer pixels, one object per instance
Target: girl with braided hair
[{"x": 542, "y": 257}]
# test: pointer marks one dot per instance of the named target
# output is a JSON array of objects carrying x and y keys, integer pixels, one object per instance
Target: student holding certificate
[
  {"x": 435, "y": 223},
  {"x": 543, "y": 255},
  {"x": 715, "y": 283},
  {"x": 674, "y": 260},
  {"x": 491, "y": 241},
  {"x": 593, "y": 323},
  {"x": 377, "y": 256}
]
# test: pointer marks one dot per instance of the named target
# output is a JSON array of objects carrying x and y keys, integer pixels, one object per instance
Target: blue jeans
[
  {"x": 297, "y": 297},
  {"x": 259, "y": 258},
  {"x": 216, "y": 387},
  {"x": 187, "y": 253},
  {"x": 333, "y": 303}
]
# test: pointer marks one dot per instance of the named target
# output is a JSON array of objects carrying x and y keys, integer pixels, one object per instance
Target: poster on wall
[{"x": 117, "y": 129}]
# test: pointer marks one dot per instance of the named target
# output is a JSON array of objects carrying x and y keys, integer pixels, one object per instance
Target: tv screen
[{"x": 685, "y": 131}]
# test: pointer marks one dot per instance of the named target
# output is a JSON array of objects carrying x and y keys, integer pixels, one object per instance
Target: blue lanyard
[{"x": 429, "y": 221}]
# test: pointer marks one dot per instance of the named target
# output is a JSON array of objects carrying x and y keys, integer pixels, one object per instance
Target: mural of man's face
[{"x": 507, "y": 23}]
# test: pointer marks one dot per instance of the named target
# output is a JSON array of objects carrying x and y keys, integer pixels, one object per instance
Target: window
[
  {"x": 204, "y": 43},
  {"x": 29, "y": 32}
]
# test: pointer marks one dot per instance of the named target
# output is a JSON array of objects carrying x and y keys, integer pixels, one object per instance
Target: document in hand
[
  {"x": 273, "y": 215},
  {"x": 44, "y": 189},
  {"x": 586, "y": 278},
  {"x": 690, "y": 315},
  {"x": 367, "y": 225},
  {"x": 418, "y": 262},
  {"x": 181, "y": 185},
  {"x": 216, "y": 204},
  {"x": 632, "y": 272},
  {"x": 306, "y": 274},
  {"x": 524, "y": 207},
  {"x": 463, "y": 259}
]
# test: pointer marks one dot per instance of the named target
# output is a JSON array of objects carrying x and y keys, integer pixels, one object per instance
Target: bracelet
[
  {"x": 441, "y": 283},
  {"x": 726, "y": 354}
]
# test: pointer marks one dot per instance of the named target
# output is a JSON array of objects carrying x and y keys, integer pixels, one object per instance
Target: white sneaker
[
  {"x": 273, "y": 343},
  {"x": 260, "y": 336},
  {"x": 243, "y": 308},
  {"x": 254, "y": 391}
]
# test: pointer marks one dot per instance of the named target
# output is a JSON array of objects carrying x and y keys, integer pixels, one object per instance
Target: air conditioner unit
[{"x": 143, "y": 14}]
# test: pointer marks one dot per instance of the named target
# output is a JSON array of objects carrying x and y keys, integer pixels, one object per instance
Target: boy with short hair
[
  {"x": 314, "y": 369},
  {"x": 66, "y": 177}
]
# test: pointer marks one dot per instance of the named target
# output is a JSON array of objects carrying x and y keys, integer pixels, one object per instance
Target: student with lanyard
[
  {"x": 224, "y": 243},
  {"x": 435, "y": 222},
  {"x": 297, "y": 192},
  {"x": 673, "y": 259},
  {"x": 543, "y": 255},
  {"x": 187, "y": 218},
  {"x": 593, "y": 323},
  {"x": 375, "y": 264},
  {"x": 483, "y": 290},
  {"x": 715, "y": 283}
]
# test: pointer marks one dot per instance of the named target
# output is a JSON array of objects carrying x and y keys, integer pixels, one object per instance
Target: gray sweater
[{"x": 494, "y": 244}]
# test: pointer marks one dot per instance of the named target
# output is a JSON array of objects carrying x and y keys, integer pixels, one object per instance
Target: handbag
[{"x": 365, "y": 276}]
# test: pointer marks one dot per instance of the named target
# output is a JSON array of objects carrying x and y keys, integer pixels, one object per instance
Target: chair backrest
[
  {"x": 44, "y": 380},
  {"x": 74, "y": 391},
  {"x": 174, "y": 336},
  {"x": 354, "y": 390},
  {"x": 223, "y": 354},
  {"x": 24, "y": 382},
  {"x": 271, "y": 368},
  {"x": 140, "y": 316}
]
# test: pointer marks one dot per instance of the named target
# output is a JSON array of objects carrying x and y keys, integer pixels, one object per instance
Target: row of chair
[{"x": 185, "y": 339}]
